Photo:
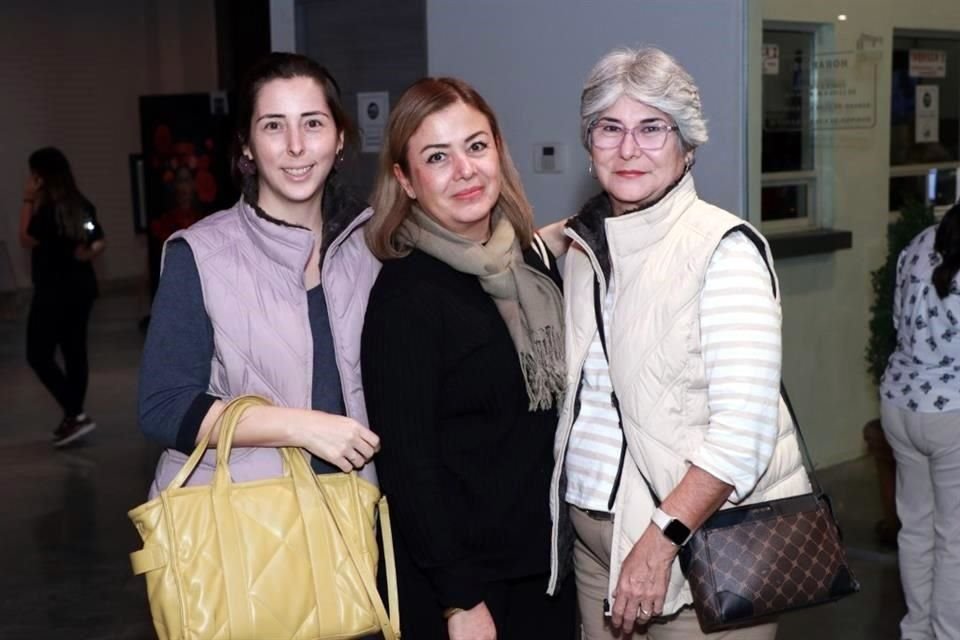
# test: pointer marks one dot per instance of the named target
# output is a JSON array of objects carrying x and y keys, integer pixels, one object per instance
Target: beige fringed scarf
[{"x": 528, "y": 300}]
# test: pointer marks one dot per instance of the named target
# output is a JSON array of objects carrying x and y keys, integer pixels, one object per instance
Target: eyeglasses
[{"x": 649, "y": 136}]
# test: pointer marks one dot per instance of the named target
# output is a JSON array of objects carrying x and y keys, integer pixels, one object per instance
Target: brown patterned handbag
[{"x": 749, "y": 564}]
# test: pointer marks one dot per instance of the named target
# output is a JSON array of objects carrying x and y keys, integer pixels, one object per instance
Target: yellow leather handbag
[{"x": 286, "y": 558}]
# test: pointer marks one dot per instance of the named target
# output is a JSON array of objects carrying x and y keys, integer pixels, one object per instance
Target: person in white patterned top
[
  {"x": 679, "y": 390},
  {"x": 920, "y": 413}
]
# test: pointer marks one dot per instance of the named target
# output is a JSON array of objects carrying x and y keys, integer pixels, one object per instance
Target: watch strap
[{"x": 672, "y": 528}]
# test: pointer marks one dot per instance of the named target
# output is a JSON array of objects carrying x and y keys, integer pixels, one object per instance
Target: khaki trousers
[{"x": 591, "y": 560}]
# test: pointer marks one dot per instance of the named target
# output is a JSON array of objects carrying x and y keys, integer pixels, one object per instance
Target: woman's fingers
[
  {"x": 343, "y": 464},
  {"x": 370, "y": 438}
]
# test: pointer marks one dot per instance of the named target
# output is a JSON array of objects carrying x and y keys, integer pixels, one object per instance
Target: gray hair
[{"x": 650, "y": 76}]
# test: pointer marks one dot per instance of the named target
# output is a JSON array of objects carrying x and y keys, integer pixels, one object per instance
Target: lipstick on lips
[
  {"x": 297, "y": 172},
  {"x": 468, "y": 193},
  {"x": 631, "y": 173}
]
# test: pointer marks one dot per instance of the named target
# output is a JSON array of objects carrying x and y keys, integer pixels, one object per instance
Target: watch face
[{"x": 676, "y": 532}]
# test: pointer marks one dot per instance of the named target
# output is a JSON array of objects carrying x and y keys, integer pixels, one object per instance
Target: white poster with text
[
  {"x": 928, "y": 113},
  {"x": 926, "y": 63},
  {"x": 372, "y": 110}
]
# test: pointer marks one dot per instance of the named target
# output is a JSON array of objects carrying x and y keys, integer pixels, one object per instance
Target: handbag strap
[
  {"x": 389, "y": 625},
  {"x": 758, "y": 242},
  {"x": 386, "y": 532},
  {"x": 804, "y": 452},
  {"x": 228, "y": 419}
]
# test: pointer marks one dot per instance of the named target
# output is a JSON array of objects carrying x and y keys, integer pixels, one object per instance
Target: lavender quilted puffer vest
[{"x": 251, "y": 271}]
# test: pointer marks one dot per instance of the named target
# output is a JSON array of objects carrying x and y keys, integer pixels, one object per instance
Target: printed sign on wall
[
  {"x": 925, "y": 63},
  {"x": 771, "y": 59},
  {"x": 372, "y": 110},
  {"x": 927, "y": 124},
  {"x": 843, "y": 89}
]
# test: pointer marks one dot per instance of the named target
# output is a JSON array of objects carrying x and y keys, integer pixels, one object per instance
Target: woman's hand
[
  {"x": 26, "y": 212},
  {"x": 644, "y": 576},
  {"x": 31, "y": 188},
  {"x": 85, "y": 253},
  {"x": 557, "y": 241},
  {"x": 472, "y": 624},
  {"x": 339, "y": 440}
]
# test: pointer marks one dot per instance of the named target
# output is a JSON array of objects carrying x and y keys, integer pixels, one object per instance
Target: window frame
[
  {"x": 819, "y": 191},
  {"x": 920, "y": 169}
]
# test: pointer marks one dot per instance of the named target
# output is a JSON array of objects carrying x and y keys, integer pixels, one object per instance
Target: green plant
[{"x": 914, "y": 218}]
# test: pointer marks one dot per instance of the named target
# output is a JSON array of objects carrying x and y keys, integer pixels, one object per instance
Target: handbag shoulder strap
[
  {"x": 389, "y": 625},
  {"x": 751, "y": 235},
  {"x": 758, "y": 242}
]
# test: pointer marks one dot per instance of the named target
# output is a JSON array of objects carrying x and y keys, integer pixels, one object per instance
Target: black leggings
[{"x": 60, "y": 320}]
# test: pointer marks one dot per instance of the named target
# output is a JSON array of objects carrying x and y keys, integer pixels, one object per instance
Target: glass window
[
  {"x": 783, "y": 202},
  {"x": 924, "y": 118},
  {"x": 905, "y": 144},
  {"x": 787, "y": 136},
  {"x": 787, "y": 157}
]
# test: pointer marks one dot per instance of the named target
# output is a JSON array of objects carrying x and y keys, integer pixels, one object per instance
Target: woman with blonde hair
[{"x": 463, "y": 370}]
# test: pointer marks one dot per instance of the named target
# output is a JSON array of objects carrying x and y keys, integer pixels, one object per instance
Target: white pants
[{"x": 927, "y": 449}]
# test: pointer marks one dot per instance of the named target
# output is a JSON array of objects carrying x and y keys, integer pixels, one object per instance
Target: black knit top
[{"x": 466, "y": 466}]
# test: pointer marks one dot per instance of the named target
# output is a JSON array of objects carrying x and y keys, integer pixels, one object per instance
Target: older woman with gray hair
[{"x": 673, "y": 407}]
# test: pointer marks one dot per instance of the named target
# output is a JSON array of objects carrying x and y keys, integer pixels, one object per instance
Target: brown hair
[
  {"x": 59, "y": 190},
  {"x": 390, "y": 202},
  {"x": 285, "y": 66}
]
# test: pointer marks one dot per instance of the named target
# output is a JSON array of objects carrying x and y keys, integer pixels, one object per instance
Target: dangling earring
[{"x": 590, "y": 170}]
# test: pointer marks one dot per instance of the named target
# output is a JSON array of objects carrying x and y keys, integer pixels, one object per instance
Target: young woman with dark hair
[
  {"x": 920, "y": 413},
  {"x": 268, "y": 297},
  {"x": 60, "y": 226}
]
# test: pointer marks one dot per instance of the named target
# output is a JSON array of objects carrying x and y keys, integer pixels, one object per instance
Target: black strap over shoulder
[
  {"x": 539, "y": 256},
  {"x": 755, "y": 238}
]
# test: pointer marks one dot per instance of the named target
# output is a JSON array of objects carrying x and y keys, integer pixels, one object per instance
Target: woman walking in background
[
  {"x": 59, "y": 224},
  {"x": 920, "y": 412}
]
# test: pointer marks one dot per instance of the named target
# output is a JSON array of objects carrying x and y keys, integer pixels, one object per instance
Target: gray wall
[
  {"x": 368, "y": 45},
  {"x": 529, "y": 60},
  {"x": 71, "y": 73}
]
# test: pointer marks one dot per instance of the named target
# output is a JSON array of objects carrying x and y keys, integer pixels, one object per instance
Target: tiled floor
[{"x": 64, "y": 535}]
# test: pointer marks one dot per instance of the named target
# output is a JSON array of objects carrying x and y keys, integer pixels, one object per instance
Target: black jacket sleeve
[{"x": 401, "y": 361}]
